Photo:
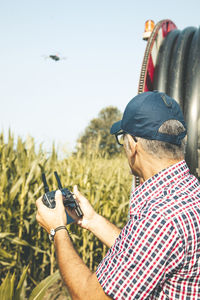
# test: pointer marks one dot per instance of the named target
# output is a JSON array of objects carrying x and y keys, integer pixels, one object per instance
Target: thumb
[
  {"x": 59, "y": 198},
  {"x": 77, "y": 194},
  {"x": 76, "y": 191}
]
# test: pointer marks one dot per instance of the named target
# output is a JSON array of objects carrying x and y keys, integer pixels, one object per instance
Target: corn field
[{"x": 26, "y": 255}]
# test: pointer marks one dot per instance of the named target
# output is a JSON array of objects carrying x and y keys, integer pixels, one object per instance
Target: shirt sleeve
[{"x": 146, "y": 252}]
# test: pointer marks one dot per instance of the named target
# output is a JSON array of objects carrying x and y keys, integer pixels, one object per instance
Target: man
[{"x": 157, "y": 254}]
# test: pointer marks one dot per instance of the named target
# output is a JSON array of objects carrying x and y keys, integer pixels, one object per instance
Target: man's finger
[
  {"x": 76, "y": 191},
  {"x": 38, "y": 217},
  {"x": 58, "y": 198},
  {"x": 38, "y": 202}
]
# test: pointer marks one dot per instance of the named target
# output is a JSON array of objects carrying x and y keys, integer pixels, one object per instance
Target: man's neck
[{"x": 149, "y": 166}]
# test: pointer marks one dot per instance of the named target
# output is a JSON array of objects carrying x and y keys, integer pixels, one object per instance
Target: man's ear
[{"x": 132, "y": 144}]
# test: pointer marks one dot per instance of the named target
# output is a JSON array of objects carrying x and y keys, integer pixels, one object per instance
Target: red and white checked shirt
[{"x": 157, "y": 254}]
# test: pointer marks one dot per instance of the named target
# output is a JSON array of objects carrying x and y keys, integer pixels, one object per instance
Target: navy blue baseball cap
[{"x": 144, "y": 115}]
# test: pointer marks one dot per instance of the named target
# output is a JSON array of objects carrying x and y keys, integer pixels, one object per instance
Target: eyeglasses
[{"x": 120, "y": 137}]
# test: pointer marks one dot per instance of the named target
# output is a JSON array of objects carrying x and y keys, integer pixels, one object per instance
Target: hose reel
[{"x": 171, "y": 64}]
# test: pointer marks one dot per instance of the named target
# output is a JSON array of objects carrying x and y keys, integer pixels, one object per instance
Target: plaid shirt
[{"x": 157, "y": 254}]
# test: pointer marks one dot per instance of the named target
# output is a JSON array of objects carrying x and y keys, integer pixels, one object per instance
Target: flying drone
[{"x": 54, "y": 57}]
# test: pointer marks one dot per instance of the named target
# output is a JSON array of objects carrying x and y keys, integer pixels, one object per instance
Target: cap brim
[{"x": 116, "y": 127}]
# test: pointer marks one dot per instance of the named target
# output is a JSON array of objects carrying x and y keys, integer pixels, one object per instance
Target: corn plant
[{"x": 104, "y": 181}]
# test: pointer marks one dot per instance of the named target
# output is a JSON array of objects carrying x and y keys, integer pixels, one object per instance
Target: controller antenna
[
  {"x": 46, "y": 188},
  {"x": 58, "y": 180}
]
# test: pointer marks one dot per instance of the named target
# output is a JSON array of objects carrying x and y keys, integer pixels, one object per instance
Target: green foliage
[
  {"x": 40, "y": 290},
  {"x": 7, "y": 287},
  {"x": 8, "y": 291},
  {"x": 104, "y": 181},
  {"x": 97, "y": 133}
]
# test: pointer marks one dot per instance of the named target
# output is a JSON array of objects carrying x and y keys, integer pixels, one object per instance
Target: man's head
[{"x": 157, "y": 122}]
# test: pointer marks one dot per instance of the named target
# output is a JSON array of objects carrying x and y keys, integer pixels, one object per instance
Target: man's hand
[
  {"x": 98, "y": 225},
  {"x": 51, "y": 218},
  {"x": 89, "y": 214}
]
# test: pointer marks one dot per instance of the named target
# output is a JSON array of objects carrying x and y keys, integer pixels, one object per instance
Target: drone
[{"x": 54, "y": 57}]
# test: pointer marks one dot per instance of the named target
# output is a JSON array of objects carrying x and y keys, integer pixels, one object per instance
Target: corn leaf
[
  {"x": 20, "y": 290},
  {"x": 7, "y": 286},
  {"x": 21, "y": 242},
  {"x": 5, "y": 254},
  {"x": 5, "y": 234},
  {"x": 39, "y": 291}
]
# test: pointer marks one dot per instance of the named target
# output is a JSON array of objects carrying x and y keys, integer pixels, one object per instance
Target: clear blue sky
[{"x": 102, "y": 40}]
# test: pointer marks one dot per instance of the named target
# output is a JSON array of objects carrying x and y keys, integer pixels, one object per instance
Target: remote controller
[{"x": 68, "y": 199}]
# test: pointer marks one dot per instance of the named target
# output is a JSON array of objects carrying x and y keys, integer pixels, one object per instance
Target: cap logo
[{"x": 165, "y": 101}]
